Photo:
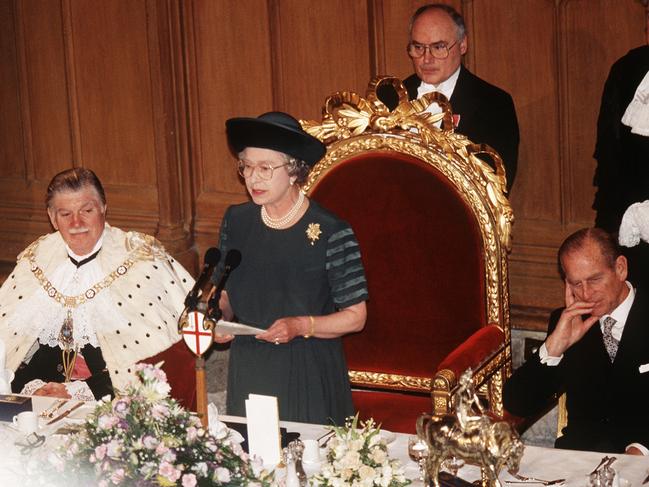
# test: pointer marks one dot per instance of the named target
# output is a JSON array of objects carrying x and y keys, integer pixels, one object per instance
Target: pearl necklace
[{"x": 279, "y": 223}]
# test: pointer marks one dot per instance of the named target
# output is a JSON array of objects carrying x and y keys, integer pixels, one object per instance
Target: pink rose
[
  {"x": 189, "y": 480},
  {"x": 168, "y": 471},
  {"x": 117, "y": 476},
  {"x": 100, "y": 452}
]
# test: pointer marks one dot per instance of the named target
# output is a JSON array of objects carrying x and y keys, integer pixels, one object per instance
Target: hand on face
[
  {"x": 285, "y": 329},
  {"x": 571, "y": 326},
  {"x": 53, "y": 389}
]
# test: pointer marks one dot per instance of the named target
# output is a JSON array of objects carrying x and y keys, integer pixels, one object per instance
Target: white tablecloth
[
  {"x": 544, "y": 463},
  {"x": 12, "y": 461}
]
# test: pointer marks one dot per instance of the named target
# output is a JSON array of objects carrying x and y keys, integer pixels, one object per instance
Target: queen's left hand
[{"x": 284, "y": 330}]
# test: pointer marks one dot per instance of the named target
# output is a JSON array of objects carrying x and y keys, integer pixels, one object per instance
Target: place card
[{"x": 262, "y": 414}]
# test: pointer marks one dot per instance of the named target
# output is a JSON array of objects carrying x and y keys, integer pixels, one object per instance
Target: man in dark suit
[
  {"x": 596, "y": 351},
  {"x": 622, "y": 152},
  {"x": 482, "y": 112}
]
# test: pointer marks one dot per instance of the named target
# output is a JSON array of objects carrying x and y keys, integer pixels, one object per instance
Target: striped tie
[{"x": 609, "y": 342}]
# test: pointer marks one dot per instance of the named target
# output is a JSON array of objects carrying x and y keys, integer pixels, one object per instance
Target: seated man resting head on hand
[
  {"x": 86, "y": 303},
  {"x": 596, "y": 351}
]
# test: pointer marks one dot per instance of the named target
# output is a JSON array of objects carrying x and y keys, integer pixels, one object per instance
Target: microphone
[
  {"x": 232, "y": 261},
  {"x": 212, "y": 257}
]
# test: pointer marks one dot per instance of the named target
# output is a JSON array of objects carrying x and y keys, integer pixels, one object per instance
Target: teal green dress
[{"x": 311, "y": 268}]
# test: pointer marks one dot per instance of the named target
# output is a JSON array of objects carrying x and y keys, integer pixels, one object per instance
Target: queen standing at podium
[{"x": 301, "y": 278}]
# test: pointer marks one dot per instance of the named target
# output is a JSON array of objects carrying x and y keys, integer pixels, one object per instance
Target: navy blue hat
[{"x": 277, "y": 131}]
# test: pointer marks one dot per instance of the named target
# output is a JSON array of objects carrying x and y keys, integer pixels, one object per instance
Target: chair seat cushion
[{"x": 395, "y": 411}]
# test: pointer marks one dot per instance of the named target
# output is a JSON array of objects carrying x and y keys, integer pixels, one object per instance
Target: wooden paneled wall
[{"x": 139, "y": 90}]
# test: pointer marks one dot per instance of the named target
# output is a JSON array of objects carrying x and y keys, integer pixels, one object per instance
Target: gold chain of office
[{"x": 73, "y": 301}]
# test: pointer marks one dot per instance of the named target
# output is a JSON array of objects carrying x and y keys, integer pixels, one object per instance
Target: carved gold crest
[{"x": 313, "y": 232}]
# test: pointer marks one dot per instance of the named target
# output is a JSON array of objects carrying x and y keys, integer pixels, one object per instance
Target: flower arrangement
[
  {"x": 358, "y": 457},
  {"x": 144, "y": 438}
]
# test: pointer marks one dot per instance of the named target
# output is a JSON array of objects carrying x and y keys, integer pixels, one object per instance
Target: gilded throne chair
[{"x": 433, "y": 223}]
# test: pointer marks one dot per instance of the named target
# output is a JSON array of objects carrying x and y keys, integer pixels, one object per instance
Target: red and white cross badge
[{"x": 197, "y": 337}]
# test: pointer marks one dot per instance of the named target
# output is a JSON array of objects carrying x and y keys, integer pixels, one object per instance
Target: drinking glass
[
  {"x": 418, "y": 452},
  {"x": 453, "y": 465}
]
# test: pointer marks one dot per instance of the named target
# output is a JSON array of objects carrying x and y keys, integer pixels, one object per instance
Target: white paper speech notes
[{"x": 264, "y": 439}]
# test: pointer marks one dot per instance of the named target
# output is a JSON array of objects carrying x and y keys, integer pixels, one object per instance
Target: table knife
[{"x": 65, "y": 413}]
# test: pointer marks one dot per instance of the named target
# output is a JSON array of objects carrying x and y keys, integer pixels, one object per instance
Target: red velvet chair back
[
  {"x": 422, "y": 252},
  {"x": 433, "y": 225}
]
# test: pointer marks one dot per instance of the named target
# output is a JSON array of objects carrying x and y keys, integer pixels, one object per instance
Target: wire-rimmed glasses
[
  {"x": 439, "y": 50},
  {"x": 264, "y": 170},
  {"x": 30, "y": 442}
]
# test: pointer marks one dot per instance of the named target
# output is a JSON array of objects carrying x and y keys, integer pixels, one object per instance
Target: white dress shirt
[
  {"x": 620, "y": 315},
  {"x": 636, "y": 114},
  {"x": 446, "y": 88}
]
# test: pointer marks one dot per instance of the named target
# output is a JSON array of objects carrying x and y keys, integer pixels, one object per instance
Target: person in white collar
[
  {"x": 437, "y": 40},
  {"x": 86, "y": 303},
  {"x": 622, "y": 147},
  {"x": 596, "y": 351}
]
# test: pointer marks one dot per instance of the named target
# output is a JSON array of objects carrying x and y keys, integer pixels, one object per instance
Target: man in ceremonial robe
[{"x": 86, "y": 303}]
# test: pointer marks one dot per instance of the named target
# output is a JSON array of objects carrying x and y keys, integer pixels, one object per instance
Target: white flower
[
  {"x": 149, "y": 442},
  {"x": 352, "y": 460},
  {"x": 356, "y": 444},
  {"x": 353, "y": 452},
  {"x": 366, "y": 473},
  {"x": 105, "y": 421},
  {"x": 144, "y": 433},
  {"x": 201, "y": 469},
  {"x": 222, "y": 475},
  {"x": 257, "y": 464},
  {"x": 113, "y": 449},
  {"x": 379, "y": 455}
]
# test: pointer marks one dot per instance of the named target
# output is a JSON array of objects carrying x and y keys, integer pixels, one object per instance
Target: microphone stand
[
  {"x": 208, "y": 313},
  {"x": 198, "y": 318},
  {"x": 201, "y": 392}
]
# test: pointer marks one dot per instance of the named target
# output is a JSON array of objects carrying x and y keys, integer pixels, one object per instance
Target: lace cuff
[
  {"x": 32, "y": 386},
  {"x": 77, "y": 389}
]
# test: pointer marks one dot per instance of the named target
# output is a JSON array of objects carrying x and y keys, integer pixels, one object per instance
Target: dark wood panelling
[
  {"x": 139, "y": 90},
  {"x": 111, "y": 63},
  {"x": 11, "y": 149},
  {"x": 45, "y": 89},
  {"x": 534, "y": 88},
  {"x": 321, "y": 47},
  {"x": 230, "y": 75}
]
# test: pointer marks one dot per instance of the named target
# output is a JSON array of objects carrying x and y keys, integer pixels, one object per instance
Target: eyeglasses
[
  {"x": 31, "y": 441},
  {"x": 264, "y": 170},
  {"x": 439, "y": 50}
]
